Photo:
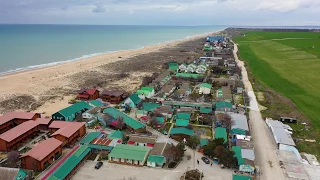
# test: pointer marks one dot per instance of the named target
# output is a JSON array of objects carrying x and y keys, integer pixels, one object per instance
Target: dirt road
[{"x": 264, "y": 145}]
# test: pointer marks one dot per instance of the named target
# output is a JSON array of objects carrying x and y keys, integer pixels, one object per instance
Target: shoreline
[
  {"x": 82, "y": 58},
  {"x": 48, "y": 89}
]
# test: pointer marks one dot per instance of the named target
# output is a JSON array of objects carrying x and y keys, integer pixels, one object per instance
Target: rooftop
[
  {"x": 90, "y": 137},
  {"x": 185, "y": 131},
  {"x": 115, "y": 93},
  {"x": 69, "y": 111},
  {"x": 138, "y": 153},
  {"x": 280, "y": 133},
  {"x": 222, "y": 104},
  {"x": 45, "y": 121},
  {"x": 182, "y": 122},
  {"x": 239, "y": 121},
  {"x": 127, "y": 119},
  {"x": 238, "y": 155},
  {"x": 221, "y": 133},
  {"x": 159, "y": 148},
  {"x": 183, "y": 115},
  {"x": 156, "y": 159},
  {"x": 143, "y": 139},
  {"x": 115, "y": 135},
  {"x": 96, "y": 103},
  {"x": 204, "y": 142},
  {"x": 18, "y": 130},
  {"x": 43, "y": 149},
  {"x": 67, "y": 129},
  {"x": 18, "y": 115},
  {"x": 147, "y": 106},
  {"x": 206, "y": 85},
  {"x": 205, "y": 110}
]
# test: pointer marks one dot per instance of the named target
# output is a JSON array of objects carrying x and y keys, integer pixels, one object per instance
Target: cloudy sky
[{"x": 161, "y": 12}]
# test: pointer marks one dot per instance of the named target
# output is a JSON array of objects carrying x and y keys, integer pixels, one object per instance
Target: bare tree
[
  {"x": 13, "y": 157},
  {"x": 226, "y": 121},
  {"x": 154, "y": 122},
  {"x": 120, "y": 122}
]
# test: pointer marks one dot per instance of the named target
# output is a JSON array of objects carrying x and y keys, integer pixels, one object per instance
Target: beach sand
[{"x": 47, "y": 90}]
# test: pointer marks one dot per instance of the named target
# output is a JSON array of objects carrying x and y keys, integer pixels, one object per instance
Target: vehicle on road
[
  {"x": 205, "y": 160},
  {"x": 98, "y": 165}
]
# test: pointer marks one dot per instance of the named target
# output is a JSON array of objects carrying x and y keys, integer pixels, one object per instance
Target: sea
[{"x": 25, "y": 47}]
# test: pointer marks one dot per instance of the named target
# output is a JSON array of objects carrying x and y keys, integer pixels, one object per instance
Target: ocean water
[{"x": 25, "y": 47}]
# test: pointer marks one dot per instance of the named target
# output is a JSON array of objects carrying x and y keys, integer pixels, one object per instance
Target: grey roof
[
  {"x": 143, "y": 139},
  {"x": 239, "y": 121},
  {"x": 247, "y": 154},
  {"x": 279, "y": 132},
  {"x": 159, "y": 148},
  {"x": 93, "y": 110}
]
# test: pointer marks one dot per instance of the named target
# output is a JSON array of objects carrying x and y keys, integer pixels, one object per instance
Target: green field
[{"x": 289, "y": 63}]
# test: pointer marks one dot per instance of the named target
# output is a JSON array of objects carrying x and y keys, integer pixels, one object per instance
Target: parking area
[{"x": 110, "y": 171}]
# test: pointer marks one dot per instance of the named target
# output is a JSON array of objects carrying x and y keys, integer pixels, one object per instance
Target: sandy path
[{"x": 264, "y": 145}]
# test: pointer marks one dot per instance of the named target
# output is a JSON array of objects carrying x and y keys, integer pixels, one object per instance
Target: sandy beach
[{"x": 47, "y": 90}]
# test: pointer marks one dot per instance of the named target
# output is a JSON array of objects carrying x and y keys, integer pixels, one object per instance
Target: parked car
[
  {"x": 205, "y": 160},
  {"x": 98, "y": 165}
]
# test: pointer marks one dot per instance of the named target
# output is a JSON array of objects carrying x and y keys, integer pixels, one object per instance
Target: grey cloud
[{"x": 99, "y": 9}]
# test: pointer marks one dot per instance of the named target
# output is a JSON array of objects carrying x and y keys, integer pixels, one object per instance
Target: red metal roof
[
  {"x": 18, "y": 115},
  {"x": 69, "y": 129},
  {"x": 130, "y": 142},
  {"x": 43, "y": 149},
  {"x": 150, "y": 145},
  {"x": 101, "y": 141},
  {"x": 91, "y": 91},
  {"x": 58, "y": 124},
  {"x": 18, "y": 130},
  {"x": 43, "y": 120}
]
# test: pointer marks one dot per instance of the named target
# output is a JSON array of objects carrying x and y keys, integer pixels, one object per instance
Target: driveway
[{"x": 264, "y": 146}]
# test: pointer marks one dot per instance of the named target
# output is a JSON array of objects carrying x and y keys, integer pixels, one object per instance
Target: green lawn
[{"x": 290, "y": 67}]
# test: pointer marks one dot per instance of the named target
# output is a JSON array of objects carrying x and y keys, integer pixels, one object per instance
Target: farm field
[{"x": 289, "y": 63}]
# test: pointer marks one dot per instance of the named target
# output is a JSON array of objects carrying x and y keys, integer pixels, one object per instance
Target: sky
[{"x": 162, "y": 12}]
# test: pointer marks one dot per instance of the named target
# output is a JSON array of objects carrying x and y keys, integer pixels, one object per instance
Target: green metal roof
[
  {"x": 70, "y": 163},
  {"x": 185, "y": 104},
  {"x": 132, "y": 152},
  {"x": 96, "y": 103},
  {"x": 147, "y": 106},
  {"x": 223, "y": 104},
  {"x": 156, "y": 159},
  {"x": 188, "y": 75},
  {"x": 69, "y": 111},
  {"x": 90, "y": 137},
  {"x": 115, "y": 135},
  {"x": 147, "y": 88},
  {"x": 183, "y": 115},
  {"x": 160, "y": 119},
  {"x": 182, "y": 131},
  {"x": 204, "y": 142},
  {"x": 141, "y": 112},
  {"x": 237, "y": 154},
  {"x": 173, "y": 66},
  {"x": 206, "y": 85},
  {"x": 135, "y": 98},
  {"x": 143, "y": 92},
  {"x": 21, "y": 175},
  {"x": 127, "y": 119},
  {"x": 240, "y": 177},
  {"x": 182, "y": 122},
  {"x": 205, "y": 110},
  {"x": 221, "y": 133}
]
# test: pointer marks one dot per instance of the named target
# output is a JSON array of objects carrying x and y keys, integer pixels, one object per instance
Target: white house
[
  {"x": 91, "y": 113},
  {"x": 191, "y": 68},
  {"x": 205, "y": 88},
  {"x": 201, "y": 69},
  {"x": 183, "y": 67}
]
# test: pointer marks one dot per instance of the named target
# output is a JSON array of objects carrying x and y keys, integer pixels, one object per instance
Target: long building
[
  {"x": 42, "y": 155},
  {"x": 67, "y": 132},
  {"x": 12, "y": 119},
  {"x": 13, "y": 138}
]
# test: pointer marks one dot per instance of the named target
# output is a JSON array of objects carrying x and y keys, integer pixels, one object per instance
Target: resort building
[
  {"x": 88, "y": 94},
  {"x": 156, "y": 157},
  {"x": 239, "y": 124},
  {"x": 67, "y": 132},
  {"x": 181, "y": 133},
  {"x": 140, "y": 140},
  {"x": 112, "y": 96},
  {"x": 205, "y": 88},
  {"x": 13, "y": 138},
  {"x": 12, "y": 119},
  {"x": 221, "y": 133},
  {"x": 72, "y": 112},
  {"x": 129, "y": 155},
  {"x": 42, "y": 155},
  {"x": 132, "y": 101},
  {"x": 15, "y": 174},
  {"x": 43, "y": 123}
]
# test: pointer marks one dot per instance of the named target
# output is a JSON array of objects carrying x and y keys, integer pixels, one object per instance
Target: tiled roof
[
  {"x": 18, "y": 130},
  {"x": 91, "y": 91},
  {"x": 43, "y": 149}
]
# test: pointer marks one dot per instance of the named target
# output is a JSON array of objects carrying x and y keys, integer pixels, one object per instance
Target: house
[
  {"x": 204, "y": 142},
  {"x": 42, "y": 155},
  {"x": 72, "y": 112},
  {"x": 245, "y": 158},
  {"x": 90, "y": 137},
  {"x": 146, "y": 92},
  {"x": 188, "y": 75},
  {"x": 16, "y": 136},
  {"x": 222, "y": 107},
  {"x": 191, "y": 68},
  {"x": 105, "y": 119},
  {"x": 182, "y": 119},
  {"x": 201, "y": 69},
  {"x": 205, "y": 88},
  {"x": 149, "y": 107},
  {"x": 141, "y": 113},
  {"x": 160, "y": 121},
  {"x": 91, "y": 113},
  {"x": 183, "y": 67},
  {"x": 173, "y": 66},
  {"x": 96, "y": 103},
  {"x": 168, "y": 89},
  {"x": 239, "y": 90},
  {"x": 67, "y": 132},
  {"x": 88, "y": 94},
  {"x": 113, "y": 96},
  {"x": 15, "y": 174},
  {"x": 12, "y": 119},
  {"x": 43, "y": 123},
  {"x": 181, "y": 133},
  {"x": 139, "y": 140},
  {"x": 184, "y": 90},
  {"x": 131, "y": 123},
  {"x": 224, "y": 94},
  {"x": 281, "y": 132},
  {"x": 221, "y": 133},
  {"x": 129, "y": 155},
  {"x": 239, "y": 124},
  {"x": 132, "y": 101},
  {"x": 166, "y": 111},
  {"x": 156, "y": 157},
  {"x": 205, "y": 110}
]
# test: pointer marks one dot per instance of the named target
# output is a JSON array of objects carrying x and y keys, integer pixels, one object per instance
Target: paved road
[{"x": 264, "y": 145}]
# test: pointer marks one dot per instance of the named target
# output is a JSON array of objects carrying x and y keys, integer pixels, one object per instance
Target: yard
[
  {"x": 202, "y": 132},
  {"x": 289, "y": 67}
]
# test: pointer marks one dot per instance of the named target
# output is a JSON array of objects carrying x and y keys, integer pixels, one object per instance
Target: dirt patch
[
  {"x": 18, "y": 102},
  {"x": 260, "y": 96}
]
